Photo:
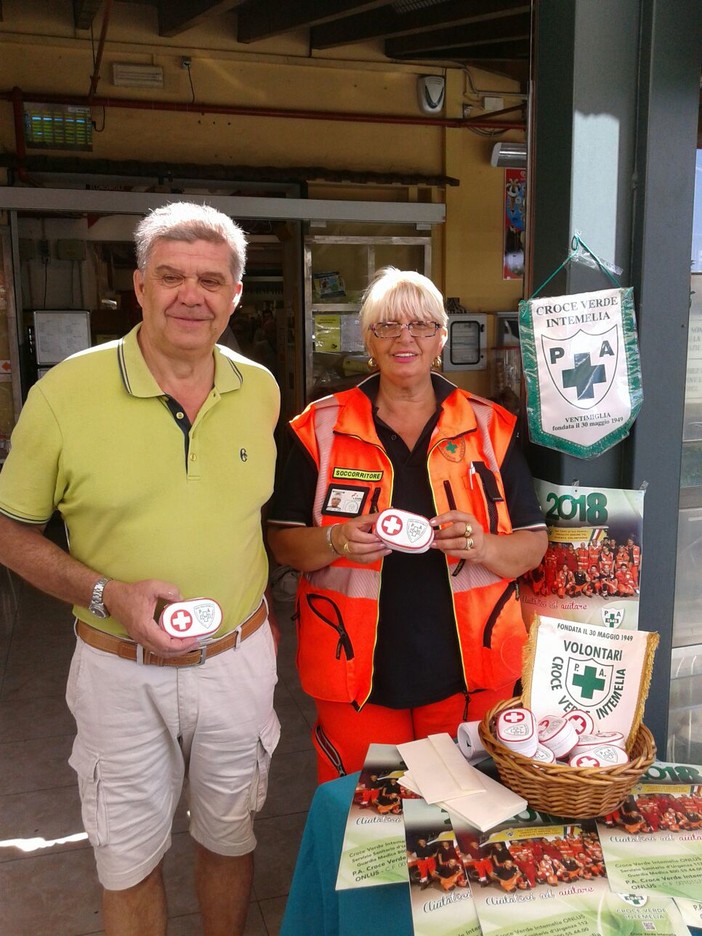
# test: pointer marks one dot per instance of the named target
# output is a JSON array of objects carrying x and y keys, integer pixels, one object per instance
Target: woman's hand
[
  {"x": 357, "y": 541},
  {"x": 459, "y": 534},
  {"x": 508, "y": 555},
  {"x": 309, "y": 548}
]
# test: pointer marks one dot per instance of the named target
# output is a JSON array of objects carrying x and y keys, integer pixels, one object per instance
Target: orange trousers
[{"x": 341, "y": 735}]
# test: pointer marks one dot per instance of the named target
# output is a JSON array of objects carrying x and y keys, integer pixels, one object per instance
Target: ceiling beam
[
  {"x": 258, "y": 20},
  {"x": 177, "y": 16},
  {"x": 386, "y": 23},
  {"x": 492, "y": 52},
  {"x": 488, "y": 33}
]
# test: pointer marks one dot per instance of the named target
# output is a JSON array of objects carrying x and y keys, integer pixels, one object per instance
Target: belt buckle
[{"x": 203, "y": 656}]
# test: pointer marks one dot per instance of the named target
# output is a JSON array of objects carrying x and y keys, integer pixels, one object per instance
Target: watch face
[{"x": 99, "y": 610}]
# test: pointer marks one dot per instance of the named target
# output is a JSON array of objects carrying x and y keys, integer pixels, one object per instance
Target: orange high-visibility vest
[{"x": 338, "y": 605}]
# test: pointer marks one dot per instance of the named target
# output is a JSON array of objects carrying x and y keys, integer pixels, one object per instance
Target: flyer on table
[
  {"x": 548, "y": 878},
  {"x": 440, "y": 895},
  {"x": 592, "y": 568},
  {"x": 653, "y": 842},
  {"x": 373, "y": 850}
]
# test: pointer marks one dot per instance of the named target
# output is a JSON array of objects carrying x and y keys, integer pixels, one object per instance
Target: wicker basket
[{"x": 577, "y": 792}]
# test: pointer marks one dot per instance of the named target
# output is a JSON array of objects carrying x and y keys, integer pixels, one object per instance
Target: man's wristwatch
[{"x": 96, "y": 605}]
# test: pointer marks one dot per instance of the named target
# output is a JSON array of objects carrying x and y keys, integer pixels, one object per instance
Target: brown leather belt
[{"x": 128, "y": 650}]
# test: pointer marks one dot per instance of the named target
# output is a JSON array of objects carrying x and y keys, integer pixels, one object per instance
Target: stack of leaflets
[
  {"x": 535, "y": 877},
  {"x": 542, "y": 876},
  {"x": 373, "y": 851},
  {"x": 653, "y": 842},
  {"x": 440, "y": 895},
  {"x": 636, "y": 871}
]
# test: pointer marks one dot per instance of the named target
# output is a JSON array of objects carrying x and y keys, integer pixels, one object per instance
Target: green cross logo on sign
[{"x": 588, "y": 681}]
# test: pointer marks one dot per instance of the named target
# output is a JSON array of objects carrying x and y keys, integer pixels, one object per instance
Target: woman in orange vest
[{"x": 395, "y": 646}]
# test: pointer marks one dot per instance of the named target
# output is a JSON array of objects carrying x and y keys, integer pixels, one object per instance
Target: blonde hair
[{"x": 393, "y": 295}]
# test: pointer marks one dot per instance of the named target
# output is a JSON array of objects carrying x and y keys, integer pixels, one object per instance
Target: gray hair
[
  {"x": 187, "y": 221},
  {"x": 395, "y": 294}
]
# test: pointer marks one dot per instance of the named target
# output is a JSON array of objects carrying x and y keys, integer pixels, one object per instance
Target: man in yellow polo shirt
[{"x": 158, "y": 452}]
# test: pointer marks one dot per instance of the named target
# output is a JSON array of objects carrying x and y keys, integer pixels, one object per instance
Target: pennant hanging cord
[
  {"x": 586, "y": 255},
  {"x": 576, "y": 253}
]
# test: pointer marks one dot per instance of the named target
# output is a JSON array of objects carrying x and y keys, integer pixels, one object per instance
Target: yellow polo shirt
[{"x": 141, "y": 498}]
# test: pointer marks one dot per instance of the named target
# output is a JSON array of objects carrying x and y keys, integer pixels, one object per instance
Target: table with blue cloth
[{"x": 315, "y": 907}]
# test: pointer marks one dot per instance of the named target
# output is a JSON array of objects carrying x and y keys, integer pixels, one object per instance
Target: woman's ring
[
  {"x": 346, "y": 548},
  {"x": 468, "y": 530},
  {"x": 469, "y": 542}
]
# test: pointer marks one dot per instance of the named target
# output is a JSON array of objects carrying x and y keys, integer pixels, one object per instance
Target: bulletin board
[{"x": 58, "y": 333}]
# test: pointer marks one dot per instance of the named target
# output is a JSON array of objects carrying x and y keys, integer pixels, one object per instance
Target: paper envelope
[
  {"x": 483, "y": 806},
  {"x": 439, "y": 768}
]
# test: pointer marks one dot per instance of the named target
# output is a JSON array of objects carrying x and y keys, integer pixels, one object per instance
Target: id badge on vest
[{"x": 345, "y": 500}]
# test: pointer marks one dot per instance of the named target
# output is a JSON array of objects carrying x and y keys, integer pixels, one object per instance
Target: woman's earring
[
  {"x": 372, "y": 363},
  {"x": 436, "y": 362}
]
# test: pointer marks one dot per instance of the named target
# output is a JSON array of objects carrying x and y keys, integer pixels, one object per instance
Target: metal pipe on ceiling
[{"x": 243, "y": 111}]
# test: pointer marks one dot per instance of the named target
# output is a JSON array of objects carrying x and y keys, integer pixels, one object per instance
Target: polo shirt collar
[{"x": 140, "y": 382}]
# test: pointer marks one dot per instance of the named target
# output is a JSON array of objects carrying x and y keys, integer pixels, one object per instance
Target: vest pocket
[
  {"x": 497, "y": 658},
  {"x": 325, "y": 654},
  {"x": 505, "y": 634},
  {"x": 491, "y": 492}
]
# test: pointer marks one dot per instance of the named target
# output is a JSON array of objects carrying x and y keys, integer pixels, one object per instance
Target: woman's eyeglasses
[{"x": 394, "y": 329}]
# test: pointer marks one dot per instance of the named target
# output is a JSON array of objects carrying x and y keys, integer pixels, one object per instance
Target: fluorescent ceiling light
[{"x": 126, "y": 75}]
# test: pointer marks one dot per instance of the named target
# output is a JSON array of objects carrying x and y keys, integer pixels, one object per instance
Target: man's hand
[{"x": 134, "y": 606}]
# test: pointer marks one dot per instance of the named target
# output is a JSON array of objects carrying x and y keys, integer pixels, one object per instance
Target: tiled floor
[{"x": 48, "y": 885}]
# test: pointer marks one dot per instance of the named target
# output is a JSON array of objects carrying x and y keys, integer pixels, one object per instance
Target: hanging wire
[
  {"x": 190, "y": 79},
  {"x": 97, "y": 129}
]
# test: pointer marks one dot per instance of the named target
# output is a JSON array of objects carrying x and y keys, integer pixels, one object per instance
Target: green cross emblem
[
  {"x": 588, "y": 681},
  {"x": 451, "y": 447}
]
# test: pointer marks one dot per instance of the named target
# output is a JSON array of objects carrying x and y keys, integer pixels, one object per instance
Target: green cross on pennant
[
  {"x": 451, "y": 447},
  {"x": 588, "y": 681}
]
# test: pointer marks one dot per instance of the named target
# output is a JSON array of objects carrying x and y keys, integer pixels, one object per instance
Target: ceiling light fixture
[{"x": 127, "y": 75}]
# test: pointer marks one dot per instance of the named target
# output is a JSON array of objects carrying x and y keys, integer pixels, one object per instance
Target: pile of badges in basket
[{"x": 570, "y": 739}]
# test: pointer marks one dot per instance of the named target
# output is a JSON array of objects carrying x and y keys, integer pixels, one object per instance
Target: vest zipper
[
  {"x": 452, "y": 506},
  {"x": 337, "y": 625}
]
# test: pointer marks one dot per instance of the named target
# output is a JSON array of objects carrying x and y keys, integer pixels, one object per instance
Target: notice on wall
[
  {"x": 59, "y": 334},
  {"x": 338, "y": 333}
]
